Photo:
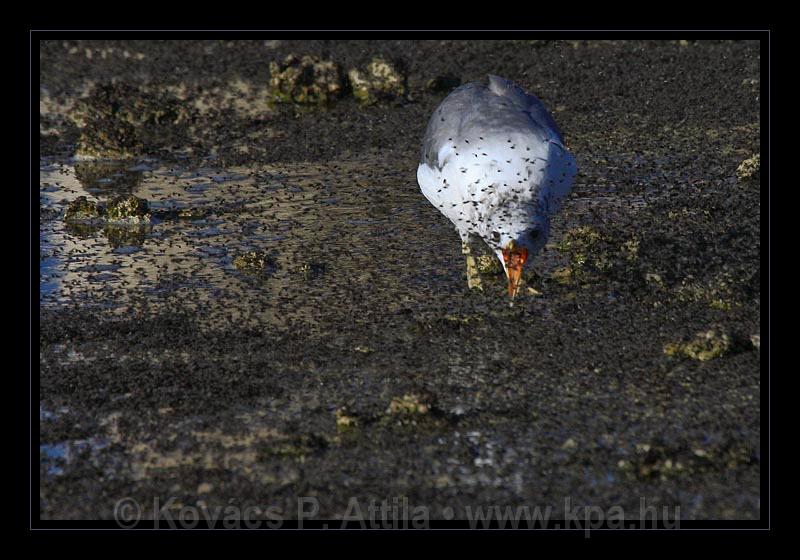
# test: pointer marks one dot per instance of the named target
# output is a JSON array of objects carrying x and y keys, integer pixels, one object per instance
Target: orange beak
[{"x": 514, "y": 258}]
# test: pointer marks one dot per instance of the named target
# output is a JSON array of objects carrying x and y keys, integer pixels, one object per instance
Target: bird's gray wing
[
  {"x": 474, "y": 109},
  {"x": 449, "y": 119},
  {"x": 526, "y": 102}
]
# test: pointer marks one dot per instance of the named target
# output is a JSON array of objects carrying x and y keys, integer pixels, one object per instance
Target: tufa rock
[
  {"x": 749, "y": 168},
  {"x": 130, "y": 104},
  {"x": 254, "y": 263},
  {"x": 704, "y": 346},
  {"x": 408, "y": 404},
  {"x": 380, "y": 80},
  {"x": 118, "y": 121},
  {"x": 83, "y": 210},
  {"x": 109, "y": 140},
  {"x": 128, "y": 210},
  {"x": 306, "y": 79}
]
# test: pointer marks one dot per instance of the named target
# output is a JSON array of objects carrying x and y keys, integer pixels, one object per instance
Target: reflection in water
[
  {"x": 106, "y": 179},
  {"x": 126, "y": 236},
  {"x": 117, "y": 235}
]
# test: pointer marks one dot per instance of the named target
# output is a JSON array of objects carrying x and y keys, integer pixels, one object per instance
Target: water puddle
[{"x": 333, "y": 235}]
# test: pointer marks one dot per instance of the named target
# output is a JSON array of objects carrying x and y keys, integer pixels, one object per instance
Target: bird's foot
[
  {"x": 474, "y": 281},
  {"x": 473, "y": 276}
]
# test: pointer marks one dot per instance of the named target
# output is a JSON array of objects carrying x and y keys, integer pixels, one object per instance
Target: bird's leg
[{"x": 473, "y": 277}]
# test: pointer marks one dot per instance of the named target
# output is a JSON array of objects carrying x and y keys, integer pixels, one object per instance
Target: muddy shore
[{"x": 357, "y": 364}]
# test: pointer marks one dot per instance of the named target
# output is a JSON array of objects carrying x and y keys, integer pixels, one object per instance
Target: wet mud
[{"x": 292, "y": 319}]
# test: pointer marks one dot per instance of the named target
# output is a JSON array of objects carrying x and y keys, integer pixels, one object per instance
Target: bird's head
[{"x": 516, "y": 251}]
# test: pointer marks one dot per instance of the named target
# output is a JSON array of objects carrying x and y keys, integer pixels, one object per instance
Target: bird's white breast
[{"x": 502, "y": 181}]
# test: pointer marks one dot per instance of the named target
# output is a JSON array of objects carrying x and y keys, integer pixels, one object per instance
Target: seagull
[{"x": 494, "y": 163}]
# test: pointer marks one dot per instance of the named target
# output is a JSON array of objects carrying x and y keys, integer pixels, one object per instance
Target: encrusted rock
[
  {"x": 749, "y": 168},
  {"x": 306, "y": 79},
  {"x": 704, "y": 346},
  {"x": 109, "y": 140},
  {"x": 128, "y": 210},
  {"x": 118, "y": 120},
  {"x": 126, "y": 103},
  {"x": 83, "y": 210},
  {"x": 380, "y": 80},
  {"x": 345, "y": 420},
  {"x": 121, "y": 210},
  {"x": 254, "y": 263},
  {"x": 408, "y": 404}
]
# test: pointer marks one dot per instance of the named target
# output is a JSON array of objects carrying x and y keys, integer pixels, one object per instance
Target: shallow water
[
  {"x": 337, "y": 237},
  {"x": 333, "y": 234}
]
